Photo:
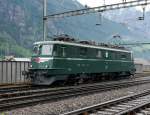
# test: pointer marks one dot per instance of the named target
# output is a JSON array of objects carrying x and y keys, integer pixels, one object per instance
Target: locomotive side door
[{"x": 106, "y": 60}]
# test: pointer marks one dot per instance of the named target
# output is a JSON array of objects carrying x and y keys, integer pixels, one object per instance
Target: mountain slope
[
  {"x": 129, "y": 17},
  {"x": 21, "y": 25}
]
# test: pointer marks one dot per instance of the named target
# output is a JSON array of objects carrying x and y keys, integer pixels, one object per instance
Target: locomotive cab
[
  {"x": 41, "y": 55},
  {"x": 41, "y": 63}
]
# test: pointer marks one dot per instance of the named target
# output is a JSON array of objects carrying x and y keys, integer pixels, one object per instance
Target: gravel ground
[{"x": 55, "y": 108}]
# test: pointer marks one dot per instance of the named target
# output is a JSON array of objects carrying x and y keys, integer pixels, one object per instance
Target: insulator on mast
[
  {"x": 100, "y": 19},
  {"x": 143, "y": 11}
]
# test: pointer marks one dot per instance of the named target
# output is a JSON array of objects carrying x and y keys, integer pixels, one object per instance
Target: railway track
[
  {"x": 25, "y": 87},
  {"x": 17, "y": 88},
  {"x": 129, "y": 105},
  {"x": 12, "y": 100}
]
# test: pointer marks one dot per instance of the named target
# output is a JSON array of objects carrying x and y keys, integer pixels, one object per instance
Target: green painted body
[{"x": 71, "y": 60}]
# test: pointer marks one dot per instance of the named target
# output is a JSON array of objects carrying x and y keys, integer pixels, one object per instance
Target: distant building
[
  {"x": 142, "y": 65},
  {"x": 22, "y": 59},
  {"x": 12, "y": 58}
]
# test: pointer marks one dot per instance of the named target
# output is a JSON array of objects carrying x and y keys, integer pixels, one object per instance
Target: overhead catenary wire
[
  {"x": 99, "y": 9},
  {"x": 144, "y": 43},
  {"x": 87, "y": 11}
]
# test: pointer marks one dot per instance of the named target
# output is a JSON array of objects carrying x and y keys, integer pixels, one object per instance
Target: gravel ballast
[{"x": 56, "y": 108}]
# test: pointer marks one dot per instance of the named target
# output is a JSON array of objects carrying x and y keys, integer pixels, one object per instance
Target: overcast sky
[{"x": 93, "y": 3}]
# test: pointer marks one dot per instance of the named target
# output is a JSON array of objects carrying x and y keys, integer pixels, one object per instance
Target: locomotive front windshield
[
  {"x": 43, "y": 49},
  {"x": 46, "y": 49}
]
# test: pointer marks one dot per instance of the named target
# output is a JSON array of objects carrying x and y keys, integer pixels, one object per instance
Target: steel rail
[
  {"x": 118, "y": 106},
  {"x": 9, "y": 89},
  {"x": 25, "y": 87},
  {"x": 99, "y": 86},
  {"x": 20, "y": 87}
]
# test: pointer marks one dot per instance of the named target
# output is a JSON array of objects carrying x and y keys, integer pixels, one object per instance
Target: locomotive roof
[{"x": 81, "y": 45}]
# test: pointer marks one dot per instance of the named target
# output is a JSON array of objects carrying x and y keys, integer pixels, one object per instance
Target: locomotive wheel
[{"x": 131, "y": 77}]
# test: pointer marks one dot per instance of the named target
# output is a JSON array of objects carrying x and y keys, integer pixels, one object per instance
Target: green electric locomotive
[{"x": 65, "y": 61}]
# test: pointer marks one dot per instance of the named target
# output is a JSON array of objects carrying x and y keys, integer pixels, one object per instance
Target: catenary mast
[{"x": 44, "y": 19}]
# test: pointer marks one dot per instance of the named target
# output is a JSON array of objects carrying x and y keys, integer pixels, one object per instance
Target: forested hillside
[{"x": 21, "y": 25}]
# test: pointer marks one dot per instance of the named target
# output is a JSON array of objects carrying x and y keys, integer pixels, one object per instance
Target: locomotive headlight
[
  {"x": 31, "y": 66},
  {"x": 46, "y": 66}
]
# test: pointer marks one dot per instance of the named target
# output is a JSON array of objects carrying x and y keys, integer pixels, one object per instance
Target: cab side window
[
  {"x": 83, "y": 51},
  {"x": 99, "y": 54},
  {"x": 55, "y": 51},
  {"x": 123, "y": 56},
  {"x": 113, "y": 55},
  {"x": 63, "y": 51},
  {"x": 106, "y": 54}
]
